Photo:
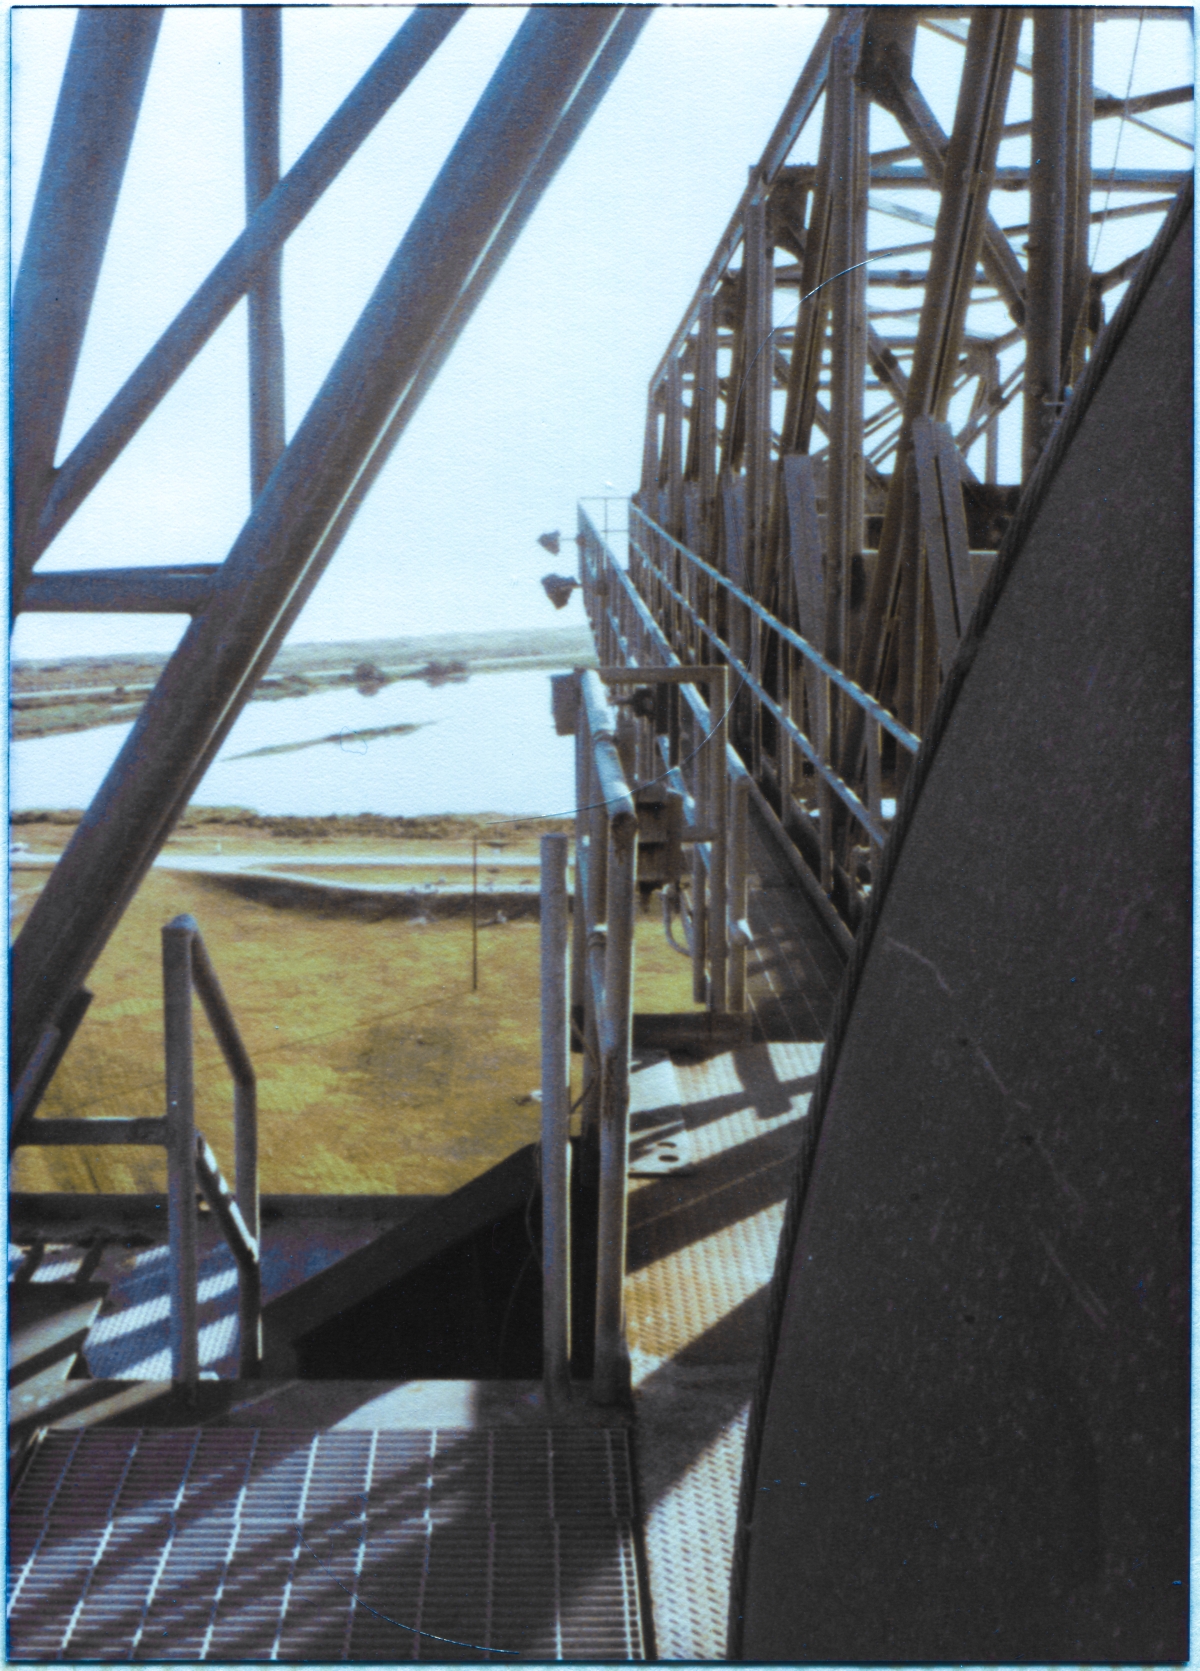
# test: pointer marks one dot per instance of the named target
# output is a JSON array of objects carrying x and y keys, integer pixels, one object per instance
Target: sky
[{"x": 543, "y": 400}]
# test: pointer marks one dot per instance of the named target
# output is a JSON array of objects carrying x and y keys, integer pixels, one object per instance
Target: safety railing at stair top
[
  {"x": 191, "y": 1163},
  {"x": 668, "y": 807},
  {"x": 673, "y": 605}
]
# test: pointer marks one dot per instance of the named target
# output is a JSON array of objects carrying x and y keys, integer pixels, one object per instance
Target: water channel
[{"x": 484, "y": 745}]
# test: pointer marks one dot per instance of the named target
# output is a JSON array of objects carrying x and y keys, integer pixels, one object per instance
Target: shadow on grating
[{"x": 248, "y": 1544}]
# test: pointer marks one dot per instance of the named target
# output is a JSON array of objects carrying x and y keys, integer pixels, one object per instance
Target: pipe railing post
[
  {"x": 610, "y": 1371},
  {"x": 718, "y": 870},
  {"x": 245, "y": 1145},
  {"x": 177, "y": 938},
  {"x": 739, "y": 792},
  {"x": 556, "y": 1122}
]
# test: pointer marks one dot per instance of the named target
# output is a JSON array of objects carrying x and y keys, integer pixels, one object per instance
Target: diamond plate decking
[{"x": 702, "y": 1244}]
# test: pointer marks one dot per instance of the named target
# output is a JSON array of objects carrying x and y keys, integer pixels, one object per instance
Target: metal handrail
[
  {"x": 600, "y": 980},
  {"x": 908, "y": 739},
  {"x": 605, "y": 895},
  {"x": 191, "y": 1163},
  {"x": 834, "y": 779}
]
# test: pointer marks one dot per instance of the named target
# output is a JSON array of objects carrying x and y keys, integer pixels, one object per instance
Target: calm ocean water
[{"x": 484, "y": 746}]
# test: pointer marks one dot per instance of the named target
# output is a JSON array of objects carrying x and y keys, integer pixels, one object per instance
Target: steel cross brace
[{"x": 292, "y": 529}]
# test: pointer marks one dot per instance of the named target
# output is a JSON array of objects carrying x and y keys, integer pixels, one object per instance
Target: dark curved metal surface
[{"x": 974, "y": 1445}]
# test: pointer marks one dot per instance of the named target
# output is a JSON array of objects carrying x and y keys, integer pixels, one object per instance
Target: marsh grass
[{"x": 378, "y": 1068}]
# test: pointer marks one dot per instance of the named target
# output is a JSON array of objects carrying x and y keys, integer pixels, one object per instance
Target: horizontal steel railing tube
[
  {"x": 857, "y": 694},
  {"x": 610, "y": 1354},
  {"x": 171, "y": 591},
  {"x": 204, "y": 684},
  {"x": 556, "y": 1121},
  {"x": 835, "y": 781},
  {"x": 177, "y": 939},
  {"x": 270, "y": 227},
  {"x": 142, "y": 1132}
]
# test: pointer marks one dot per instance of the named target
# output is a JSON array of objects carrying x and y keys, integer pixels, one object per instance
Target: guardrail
[
  {"x": 674, "y": 605},
  {"x": 191, "y": 1163},
  {"x": 652, "y": 775}
]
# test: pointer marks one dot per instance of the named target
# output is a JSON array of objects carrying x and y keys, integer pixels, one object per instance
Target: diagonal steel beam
[
  {"x": 892, "y": 85},
  {"x": 357, "y": 116},
  {"x": 97, "y": 110},
  {"x": 970, "y": 166},
  {"x": 209, "y": 676}
]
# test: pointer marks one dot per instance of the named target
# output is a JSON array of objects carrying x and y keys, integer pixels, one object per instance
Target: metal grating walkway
[{"x": 254, "y": 1544}]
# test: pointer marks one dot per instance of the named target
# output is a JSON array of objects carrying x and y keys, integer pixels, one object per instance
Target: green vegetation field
[{"x": 379, "y": 1070}]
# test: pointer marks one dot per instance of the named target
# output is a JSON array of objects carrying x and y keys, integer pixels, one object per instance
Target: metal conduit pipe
[{"x": 206, "y": 682}]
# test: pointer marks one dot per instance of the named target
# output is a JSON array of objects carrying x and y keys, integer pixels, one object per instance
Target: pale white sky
[{"x": 543, "y": 399}]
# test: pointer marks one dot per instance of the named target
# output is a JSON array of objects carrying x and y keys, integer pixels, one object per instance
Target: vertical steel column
[
  {"x": 714, "y": 767},
  {"x": 991, "y": 469},
  {"x": 610, "y": 1355},
  {"x": 591, "y": 898},
  {"x": 207, "y": 679},
  {"x": 262, "y": 74},
  {"x": 177, "y": 939},
  {"x": 671, "y": 465},
  {"x": 579, "y": 911},
  {"x": 739, "y": 794},
  {"x": 556, "y": 1121},
  {"x": 1048, "y": 210},
  {"x": 1080, "y": 109},
  {"x": 704, "y": 409},
  {"x": 848, "y": 229},
  {"x": 97, "y": 110},
  {"x": 700, "y": 918},
  {"x": 759, "y": 381}
]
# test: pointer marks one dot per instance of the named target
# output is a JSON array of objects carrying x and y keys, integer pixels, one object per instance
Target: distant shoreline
[{"x": 76, "y": 693}]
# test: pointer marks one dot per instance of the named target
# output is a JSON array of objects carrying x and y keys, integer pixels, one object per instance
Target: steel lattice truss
[
  {"x": 835, "y": 383},
  {"x": 558, "y": 67},
  {"x": 885, "y": 328}
]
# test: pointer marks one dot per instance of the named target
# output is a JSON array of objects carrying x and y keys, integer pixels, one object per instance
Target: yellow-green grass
[{"x": 379, "y": 1070}]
